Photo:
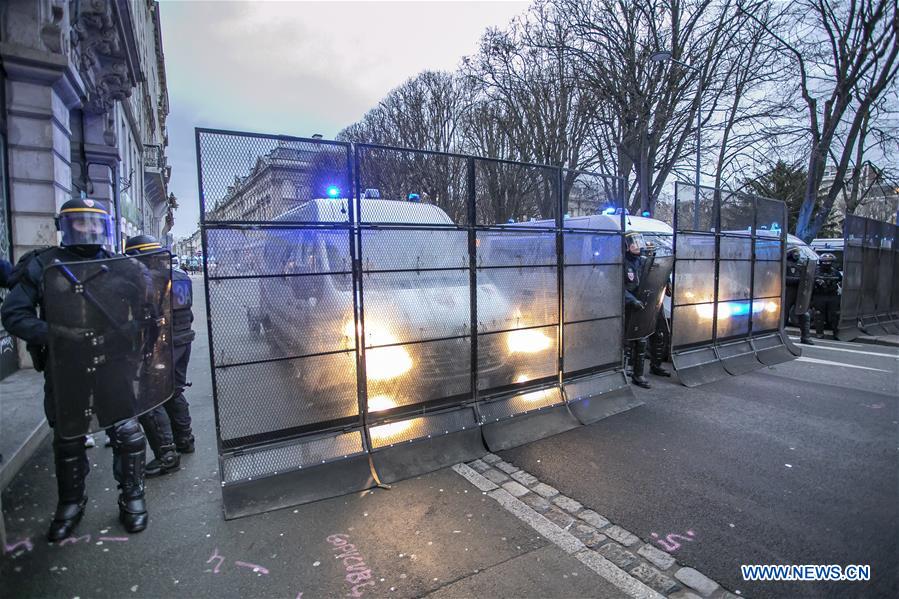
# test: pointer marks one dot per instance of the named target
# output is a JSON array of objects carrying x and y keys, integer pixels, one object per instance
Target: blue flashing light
[
  {"x": 646, "y": 213},
  {"x": 775, "y": 227},
  {"x": 413, "y": 197},
  {"x": 511, "y": 220},
  {"x": 609, "y": 210},
  {"x": 739, "y": 309},
  {"x": 333, "y": 191}
]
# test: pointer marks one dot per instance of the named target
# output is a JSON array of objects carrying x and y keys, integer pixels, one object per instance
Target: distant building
[
  {"x": 83, "y": 109},
  {"x": 279, "y": 180}
]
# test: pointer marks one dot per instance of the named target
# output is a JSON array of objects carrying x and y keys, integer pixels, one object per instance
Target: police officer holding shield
[
  {"x": 168, "y": 427},
  {"x": 91, "y": 364},
  {"x": 826, "y": 298},
  {"x": 633, "y": 269},
  {"x": 796, "y": 272}
]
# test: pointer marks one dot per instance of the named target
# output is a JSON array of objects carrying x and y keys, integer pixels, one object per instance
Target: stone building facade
[{"x": 84, "y": 106}]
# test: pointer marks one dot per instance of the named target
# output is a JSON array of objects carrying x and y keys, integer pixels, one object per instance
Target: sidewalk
[{"x": 22, "y": 423}]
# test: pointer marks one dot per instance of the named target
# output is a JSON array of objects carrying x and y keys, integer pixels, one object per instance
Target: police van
[{"x": 415, "y": 290}]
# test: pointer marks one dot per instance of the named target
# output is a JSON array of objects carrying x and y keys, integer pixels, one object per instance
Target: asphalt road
[{"x": 795, "y": 464}]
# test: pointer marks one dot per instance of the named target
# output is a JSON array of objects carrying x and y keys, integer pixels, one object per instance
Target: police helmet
[
  {"x": 141, "y": 244},
  {"x": 826, "y": 258},
  {"x": 634, "y": 238},
  {"x": 85, "y": 222}
]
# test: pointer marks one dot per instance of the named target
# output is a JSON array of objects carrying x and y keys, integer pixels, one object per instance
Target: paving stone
[
  {"x": 618, "y": 555},
  {"x": 506, "y": 467},
  {"x": 559, "y": 517},
  {"x": 697, "y": 581},
  {"x": 655, "y": 555},
  {"x": 515, "y": 488},
  {"x": 536, "y": 502},
  {"x": 622, "y": 536},
  {"x": 568, "y": 504},
  {"x": 654, "y": 579},
  {"x": 524, "y": 478},
  {"x": 593, "y": 519},
  {"x": 729, "y": 595},
  {"x": 587, "y": 535},
  {"x": 495, "y": 476},
  {"x": 545, "y": 490},
  {"x": 492, "y": 458},
  {"x": 479, "y": 466},
  {"x": 684, "y": 594}
]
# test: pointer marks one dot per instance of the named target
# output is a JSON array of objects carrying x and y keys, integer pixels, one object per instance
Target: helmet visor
[
  {"x": 633, "y": 238},
  {"x": 86, "y": 226}
]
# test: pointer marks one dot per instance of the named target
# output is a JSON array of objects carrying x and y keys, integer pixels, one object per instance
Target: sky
[{"x": 299, "y": 68}]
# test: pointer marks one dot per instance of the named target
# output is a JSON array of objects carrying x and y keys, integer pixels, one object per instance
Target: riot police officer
[
  {"x": 168, "y": 427},
  {"x": 86, "y": 228},
  {"x": 826, "y": 298},
  {"x": 633, "y": 268},
  {"x": 795, "y": 271}
]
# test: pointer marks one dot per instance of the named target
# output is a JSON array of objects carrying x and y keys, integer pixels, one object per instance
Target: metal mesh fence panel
[
  {"x": 729, "y": 269},
  {"x": 279, "y": 283},
  {"x": 415, "y": 286}
]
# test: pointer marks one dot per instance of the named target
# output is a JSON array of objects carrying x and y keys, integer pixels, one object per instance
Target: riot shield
[
  {"x": 653, "y": 281},
  {"x": 885, "y": 278},
  {"x": 853, "y": 238},
  {"x": 807, "y": 265},
  {"x": 110, "y": 339}
]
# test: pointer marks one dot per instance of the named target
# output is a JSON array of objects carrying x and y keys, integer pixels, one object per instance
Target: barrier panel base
[
  {"x": 298, "y": 486},
  {"x": 871, "y": 326},
  {"x": 599, "y": 396},
  {"x": 773, "y": 349},
  {"x": 890, "y": 323},
  {"x": 512, "y": 420},
  {"x": 847, "y": 331},
  {"x": 738, "y": 357},
  {"x": 407, "y": 448},
  {"x": 698, "y": 366}
]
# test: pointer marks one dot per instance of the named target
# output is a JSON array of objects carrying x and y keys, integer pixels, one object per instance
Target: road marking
[
  {"x": 563, "y": 539},
  {"x": 835, "y": 342},
  {"x": 851, "y": 351},
  {"x": 842, "y": 364}
]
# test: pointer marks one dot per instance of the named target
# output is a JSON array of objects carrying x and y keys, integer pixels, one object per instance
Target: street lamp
[{"x": 665, "y": 56}]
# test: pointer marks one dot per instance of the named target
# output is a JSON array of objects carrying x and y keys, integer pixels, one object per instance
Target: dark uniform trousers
[{"x": 170, "y": 424}]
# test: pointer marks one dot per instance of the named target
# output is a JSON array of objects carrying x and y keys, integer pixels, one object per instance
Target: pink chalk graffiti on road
[
  {"x": 215, "y": 555},
  {"x": 24, "y": 544},
  {"x": 216, "y": 569},
  {"x": 254, "y": 567},
  {"x": 357, "y": 573},
  {"x": 669, "y": 543}
]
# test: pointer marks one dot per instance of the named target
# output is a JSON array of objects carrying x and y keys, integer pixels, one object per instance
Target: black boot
[
  {"x": 132, "y": 505},
  {"x": 128, "y": 462},
  {"x": 168, "y": 461},
  {"x": 805, "y": 326},
  {"x": 70, "y": 474},
  {"x": 185, "y": 445},
  {"x": 637, "y": 377},
  {"x": 659, "y": 370}
]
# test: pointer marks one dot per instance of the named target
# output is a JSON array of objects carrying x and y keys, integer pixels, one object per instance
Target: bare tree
[
  {"x": 644, "y": 114},
  {"x": 846, "y": 56}
]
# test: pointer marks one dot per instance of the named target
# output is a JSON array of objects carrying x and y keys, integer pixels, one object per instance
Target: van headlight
[
  {"x": 381, "y": 363},
  {"x": 529, "y": 341}
]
